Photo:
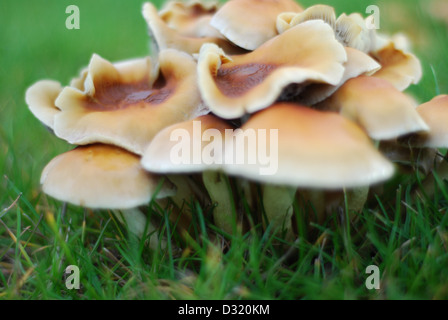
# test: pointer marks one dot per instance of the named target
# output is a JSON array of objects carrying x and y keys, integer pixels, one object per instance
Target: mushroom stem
[
  {"x": 356, "y": 199},
  {"x": 136, "y": 222},
  {"x": 216, "y": 184},
  {"x": 277, "y": 202}
]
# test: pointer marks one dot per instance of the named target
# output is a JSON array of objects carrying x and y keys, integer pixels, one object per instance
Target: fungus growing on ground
[{"x": 330, "y": 85}]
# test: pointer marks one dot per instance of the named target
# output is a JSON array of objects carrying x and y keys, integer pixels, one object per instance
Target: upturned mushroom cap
[
  {"x": 287, "y": 20},
  {"x": 398, "y": 66},
  {"x": 126, "y": 105},
  {"x": 102, "y": 177},
  {"x": 185, "y": 140},
  {"x": 375, "y": 104},
  {"x": 315, "y": 150},
  {"x": 250, "y": 23},
  {"x": 169, "y": 38},
  {"x": 358, "y": 63},
  {"x": 350, "y": 30},
  {"x": 233, "y": 85},
  {"x": 435, "y": 114},
  {"x": 40, "y": 98},
  {"x": 191, "y": 18}
]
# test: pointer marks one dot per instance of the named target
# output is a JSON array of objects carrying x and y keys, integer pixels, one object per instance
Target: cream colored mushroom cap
[
  {"x": 315, "y": 150},
  {"x": 41, "y": 97},
  {"x": 250, "y": 23},
  {"x": 168, "y": 38},
  {"x": 234, "y": 85},
  {"x": 180, "y": 148},
  {"x": 435, "y": 114},
  {"x": 102, "y": 177},
  {"x": 377, "y": 106}
]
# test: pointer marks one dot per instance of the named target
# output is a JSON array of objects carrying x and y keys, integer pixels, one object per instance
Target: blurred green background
[{"x": 35, "y": 44}]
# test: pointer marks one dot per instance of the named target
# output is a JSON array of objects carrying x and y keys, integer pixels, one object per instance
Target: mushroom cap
[
  {"x": 250, "y": 23},
  {"x": 398, "y": 66},
  {"x": 315, "y": 149},
  {"x": 40, "y": 98},
  {"x": 287, "y": 20},
  {"x": 233, "y": 85},
  {"x": 102, "y": 177},
  {"x": 169, "y": 38},
  {"x": 191, "y": 18},
  {"x": 358, "y": 63},
  {"x": 375, "y": 104},
  {"x": 350, "y": 30},
  {"x": 435, "y": 114},
  {"x": 126, "y": 105},
  {"x": 158, "y": 156}
]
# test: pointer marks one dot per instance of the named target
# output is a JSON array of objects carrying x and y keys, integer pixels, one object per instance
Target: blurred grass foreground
[{"x": 406, "y": 238}]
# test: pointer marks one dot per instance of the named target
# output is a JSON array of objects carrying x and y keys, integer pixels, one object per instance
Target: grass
[{"x": 405, "y": 236}]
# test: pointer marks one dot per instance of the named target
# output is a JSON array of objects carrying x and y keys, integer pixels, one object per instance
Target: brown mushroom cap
[
  {"x": 158, "y": 156},
  {"x": 101, "y": 176},
  {"x": 315, "y": 149},
  {"x": 435, "y": 114},
  {"x": 382, "y": 110},
  {"x": 126, "y": 105},
  {"x": 250, "y": 23},
  {"x": 233, "y": 85},
  {"x": 168, "y": 38}
]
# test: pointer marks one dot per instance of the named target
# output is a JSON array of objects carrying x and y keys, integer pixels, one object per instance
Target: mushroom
[
  {"x": 234, "y": 85},
  {"x": 40, "y": 98},
  {"x": 350, "y": 30},
  {"x": 169, "y": 38},
  {"x": 358, "y": 63},
  {"x": 105, "y": 177},
  {"x": 121, "y": 102},
  {"x": 398, "y": 66},
  {"x": 382, "y": 110},
  {"x": 316, "y": 150},
  {"x": 195, "y": 146},
  {"x": 191, "y": 18},
  {"x": 250, "y": 23}
]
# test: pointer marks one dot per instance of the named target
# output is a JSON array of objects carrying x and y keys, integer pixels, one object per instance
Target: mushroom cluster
[{"x": 245, "y": 80}]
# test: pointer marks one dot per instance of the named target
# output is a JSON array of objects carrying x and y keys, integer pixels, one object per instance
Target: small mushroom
[
  {"x": 250, "y": 23},
  {"x": 234, "y": 85},
  {"x": 191, "y": 18},
  {"x": 398, "y": 66},
  {"x": 375, "y": 104},
  {"x": 121, "y": 102},
  {"x": 40, "y": 98},
  {"x": 435, "y": 115},
  {"x": 169, "y": 38},
  {"x": 287, "y": 20},
  {"x": 105, "y": 177}
]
